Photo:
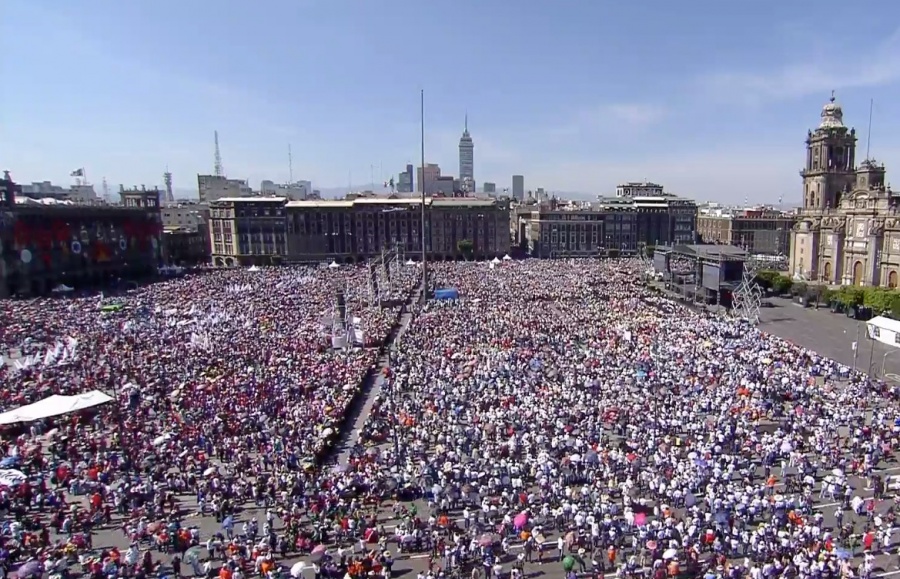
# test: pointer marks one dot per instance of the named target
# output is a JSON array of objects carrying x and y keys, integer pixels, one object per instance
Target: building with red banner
[{"x": 58, "y": 246}]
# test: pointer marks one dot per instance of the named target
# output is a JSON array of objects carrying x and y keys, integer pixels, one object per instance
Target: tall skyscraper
[
  {"x": 429, "y": 179},
  {"x": 405, "y": 182},
  {"x": 518, "y": 191},
  {"x": 466, "y": 156}
]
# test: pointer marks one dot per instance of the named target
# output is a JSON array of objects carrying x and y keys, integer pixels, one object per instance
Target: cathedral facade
[{"x": 848, "y": 231}]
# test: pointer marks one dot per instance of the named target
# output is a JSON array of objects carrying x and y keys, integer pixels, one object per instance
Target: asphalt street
[{"x": 831, "y": 335}]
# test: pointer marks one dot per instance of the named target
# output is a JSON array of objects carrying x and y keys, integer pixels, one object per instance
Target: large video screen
[
  {"x": 660, "y": 262},
  {"x": 712, "y": 276}
]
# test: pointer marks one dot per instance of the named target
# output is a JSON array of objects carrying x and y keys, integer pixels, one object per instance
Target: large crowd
[
  {"x": 210, "y": 373},
  {"x": 558, "y": 411},
  {"x": 569, "y": 408}
]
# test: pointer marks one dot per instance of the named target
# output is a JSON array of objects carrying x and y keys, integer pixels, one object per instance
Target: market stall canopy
[{"x": 54, "y": 406}]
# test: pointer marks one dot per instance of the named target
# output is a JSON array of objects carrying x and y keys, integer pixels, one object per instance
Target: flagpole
[{"x": 424, "y": 253}]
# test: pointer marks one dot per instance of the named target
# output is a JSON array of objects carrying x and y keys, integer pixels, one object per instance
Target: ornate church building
[{"x": 849, "y": 227}]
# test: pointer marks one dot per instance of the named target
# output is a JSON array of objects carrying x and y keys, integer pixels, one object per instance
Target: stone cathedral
[{"x": 848, "y": 231}]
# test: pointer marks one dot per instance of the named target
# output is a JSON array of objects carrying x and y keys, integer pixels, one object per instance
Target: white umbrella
[
  {"x": 298, "y": 568},
  {"x": 11, "y": 477},
  {"x": 160, "y": 440},
  {"x": 669, "y": 554},
  {"x": 210, "y": 471}
]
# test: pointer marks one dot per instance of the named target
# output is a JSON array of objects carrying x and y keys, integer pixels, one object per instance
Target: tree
[
  {"x": 767, "y": 278},
  {"x": 782, "y": 284},
  {"x": 465, "y": 247}
]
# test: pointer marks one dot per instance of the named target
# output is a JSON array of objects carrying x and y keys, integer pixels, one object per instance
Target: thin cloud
[
  {"x": 878, "y": 68},
  {"x": 609, "y": 117},
  {"x": 636, "y": 114}
]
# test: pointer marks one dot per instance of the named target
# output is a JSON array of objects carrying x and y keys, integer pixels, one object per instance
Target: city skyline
[{"x": 710, "y": 101}]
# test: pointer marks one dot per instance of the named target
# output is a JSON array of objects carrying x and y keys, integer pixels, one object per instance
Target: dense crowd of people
[
  {"x": 557, "y": 412},
  {"x": 210, "y": 373},
  {"x": 567, "y": 406}
]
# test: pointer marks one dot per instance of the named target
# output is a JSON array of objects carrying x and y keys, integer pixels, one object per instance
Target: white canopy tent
[
  {"x": 333, "y": 265},
  {"x": 62, "y": 288},
  {"x": 506, "y": 257},
  {"x": 495, "y": 261},
  {"x": 54, "y": 406}
]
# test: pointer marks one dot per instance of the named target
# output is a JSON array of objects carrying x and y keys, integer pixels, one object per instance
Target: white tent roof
[
  {"x": 495, "y": 260},
  {"x": 884, "y": 323},
  {"x": 54, "y": 406},
  {"x": 506, "y": 257},
  {"x": 333, "y": 265}
]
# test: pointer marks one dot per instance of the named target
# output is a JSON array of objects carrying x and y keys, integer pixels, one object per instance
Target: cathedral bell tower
[{"x": 830, "y": 160}]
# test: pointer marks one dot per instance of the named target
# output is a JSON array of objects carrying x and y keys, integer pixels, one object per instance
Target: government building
[
  {"x": 271, "y": 230},
  {"x": 44, "y": 246},
  {"x": 848, "y": 230}
]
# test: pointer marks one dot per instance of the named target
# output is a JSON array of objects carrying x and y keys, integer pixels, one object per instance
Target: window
[
  {"x": 897, "y": 337},
  {"x": 875, "y": 331}
]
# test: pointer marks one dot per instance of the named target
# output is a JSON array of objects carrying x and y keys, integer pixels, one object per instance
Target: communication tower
[
  {"x": 167, "y": 179},
  {"x": 219, "y": 172}
]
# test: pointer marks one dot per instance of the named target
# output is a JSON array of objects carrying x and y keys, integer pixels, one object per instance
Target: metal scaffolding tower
[
  {"x": 384, "y": 271},
  {"x": 747, "y": 297}
]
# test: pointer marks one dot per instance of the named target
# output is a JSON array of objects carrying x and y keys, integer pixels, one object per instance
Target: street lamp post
[{"x": 884, "y": 361}]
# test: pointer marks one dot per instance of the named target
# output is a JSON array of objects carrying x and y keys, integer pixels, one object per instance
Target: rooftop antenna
[
  {"x": 869, "y": 132},
  {"x": 219, "y": 172},
  {"x": 290, "y": 165}
]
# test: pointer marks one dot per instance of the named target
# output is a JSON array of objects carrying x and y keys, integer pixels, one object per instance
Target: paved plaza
[
  {"x": 831, "y": 335},
  {"x": 541, "y": 362}
]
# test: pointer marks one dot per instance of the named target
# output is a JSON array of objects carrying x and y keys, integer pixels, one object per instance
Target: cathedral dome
[{"x": 832, "y": 115}]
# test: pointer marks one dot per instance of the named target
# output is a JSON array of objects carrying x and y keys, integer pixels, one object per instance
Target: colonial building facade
[
  {"x": 266, "y": 230},
  {"x": 43, "y": 246},
  {"x": 848, "y": 230}
]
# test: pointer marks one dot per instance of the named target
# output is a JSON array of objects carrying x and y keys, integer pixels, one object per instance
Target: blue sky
[{"x": 712, "y": 99}]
